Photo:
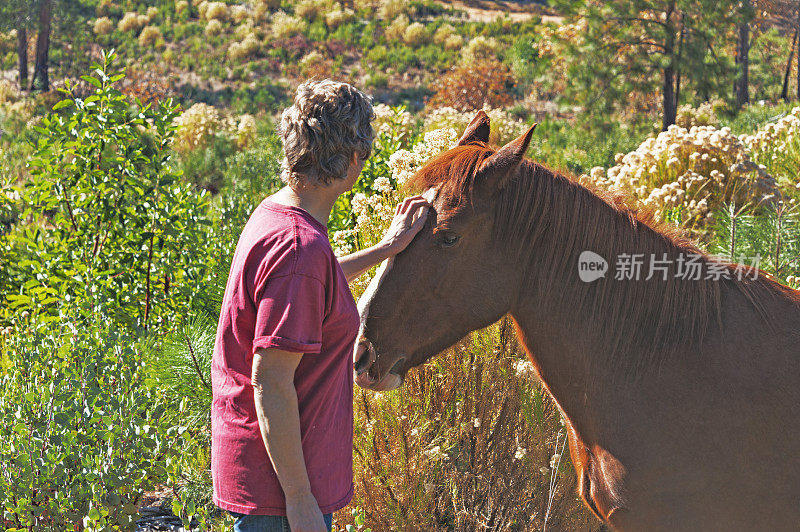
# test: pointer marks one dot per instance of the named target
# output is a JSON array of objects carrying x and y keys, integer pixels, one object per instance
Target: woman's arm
[
  {"x": 279, "y": 420},
  {"x": 409, "y": 217}
]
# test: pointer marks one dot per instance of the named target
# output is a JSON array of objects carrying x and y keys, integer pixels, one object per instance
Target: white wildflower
[{"x": 383, "y": 185}]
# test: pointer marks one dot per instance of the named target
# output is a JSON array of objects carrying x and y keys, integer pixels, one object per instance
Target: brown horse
[{"x": 681, "y": 392}]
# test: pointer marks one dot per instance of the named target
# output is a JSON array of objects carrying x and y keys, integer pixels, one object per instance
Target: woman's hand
[
  {"x": 409, "y": 217},
  {"x": 304, "y": 514}
]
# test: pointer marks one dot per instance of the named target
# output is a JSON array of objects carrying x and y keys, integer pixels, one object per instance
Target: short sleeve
[{"x": 289, "y": 314}]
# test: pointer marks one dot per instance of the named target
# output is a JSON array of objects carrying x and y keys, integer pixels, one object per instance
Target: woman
[{"x": 282, "y": 414}]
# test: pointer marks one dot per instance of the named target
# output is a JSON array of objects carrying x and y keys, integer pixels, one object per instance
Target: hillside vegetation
[{"x": 126, "y": 179}]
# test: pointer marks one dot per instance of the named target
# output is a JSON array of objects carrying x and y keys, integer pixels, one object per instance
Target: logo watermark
[
  {"x": 642, "y": 266},
  {"x": 591, "y": 266}
]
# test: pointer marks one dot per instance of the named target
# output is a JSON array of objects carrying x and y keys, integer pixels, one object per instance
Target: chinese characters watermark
[{"x": 646, "y": 266}]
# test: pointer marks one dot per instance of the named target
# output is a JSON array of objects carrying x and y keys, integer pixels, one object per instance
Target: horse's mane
[{"x": 546, "y": 219}]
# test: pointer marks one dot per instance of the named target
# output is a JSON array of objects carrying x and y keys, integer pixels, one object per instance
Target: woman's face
[{"x": 353, "y": 171}]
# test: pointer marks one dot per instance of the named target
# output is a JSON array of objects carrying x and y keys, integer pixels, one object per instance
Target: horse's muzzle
[{"x": 366, "y": 373}]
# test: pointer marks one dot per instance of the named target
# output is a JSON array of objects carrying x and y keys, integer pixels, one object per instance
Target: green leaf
[
  {"x": 91, "y": 79},
  {"x": 62, "y": 104},
  {"x": 177, "y": 507}
]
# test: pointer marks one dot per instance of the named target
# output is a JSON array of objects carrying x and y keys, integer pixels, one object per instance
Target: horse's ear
[
  {"x": 478, "y": 129},
  {"x": 496, "y": 170}
]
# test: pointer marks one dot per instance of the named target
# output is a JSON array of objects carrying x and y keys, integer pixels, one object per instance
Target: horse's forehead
[
  {"x": 430, "y": 195},
  {"x": 369, "y": 294}
]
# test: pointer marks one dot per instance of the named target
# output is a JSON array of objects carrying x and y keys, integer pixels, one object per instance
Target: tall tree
[
  {"x": 41, "y": 79},
  {"x": 797, "y": 31},
  {"x": 785, "y": 89},
  {"x": 22, "y": 56},
  {"x": 781, "y": 15},
  {"x": 19, "y": 15},
  {"x": 743, "y": 61},
  {"x": 630, "y": 49}
]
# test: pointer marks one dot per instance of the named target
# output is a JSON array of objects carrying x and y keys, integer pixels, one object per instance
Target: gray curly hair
[{"x": 328, "y": 122}]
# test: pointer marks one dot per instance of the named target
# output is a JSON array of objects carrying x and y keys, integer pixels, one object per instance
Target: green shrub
[
  {"x": 103, "y": 26},
  {"x": 150, "y": 36},
  {"x": 205, "y": 165},
  {"x": 284, "y": 25},
  {"x": 396, "y": 29},
  {"x": 770, "y": 237},
  {"x": 83, "y": 436},
  {"x": 119, "y": 228},
  {"x": 415, "y": 34}
]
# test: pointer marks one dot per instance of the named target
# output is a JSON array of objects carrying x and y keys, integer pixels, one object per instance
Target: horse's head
[{"x": 454, "y": 277}]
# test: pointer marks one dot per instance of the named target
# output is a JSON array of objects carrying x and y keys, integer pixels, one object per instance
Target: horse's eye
[{"x": 448, "y": 241}]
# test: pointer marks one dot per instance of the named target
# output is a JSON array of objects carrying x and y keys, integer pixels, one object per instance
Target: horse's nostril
[{"x": 364, "y": 357}]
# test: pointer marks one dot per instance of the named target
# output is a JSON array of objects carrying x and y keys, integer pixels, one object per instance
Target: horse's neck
[
  {"x": 561, "y": 329},
  {"x": 564, "y": 364}
]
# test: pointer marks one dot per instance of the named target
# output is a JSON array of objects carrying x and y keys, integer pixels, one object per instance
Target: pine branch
[{"x": 194, "y": 360}]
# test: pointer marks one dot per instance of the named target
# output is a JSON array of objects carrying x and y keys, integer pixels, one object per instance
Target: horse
[{"x": 680, "y": 392}]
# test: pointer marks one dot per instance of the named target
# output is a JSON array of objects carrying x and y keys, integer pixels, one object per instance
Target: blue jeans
[{"x": 268, "y": 523}]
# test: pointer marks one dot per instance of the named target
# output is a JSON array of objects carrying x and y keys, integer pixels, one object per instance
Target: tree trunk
[
  {"x": 785, "y": 89},
  {"x": 743, "y": 60},
  {"x": 668, "y": 88},
  {"x": 797, "y": 29},
  {"x": 22, "y": 57},
  {"x": 678, "y": 63},
  {"x": 670, "y": 109},
  {"x": 41, "y": 80}
]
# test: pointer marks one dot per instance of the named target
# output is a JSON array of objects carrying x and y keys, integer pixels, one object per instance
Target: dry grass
[{"x": 465, "y": 444}]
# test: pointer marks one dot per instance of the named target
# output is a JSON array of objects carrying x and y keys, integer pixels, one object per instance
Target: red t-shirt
[{"x": 286, "y": 291}]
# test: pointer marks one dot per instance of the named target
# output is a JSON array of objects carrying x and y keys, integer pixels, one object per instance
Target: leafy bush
[
  {"x": 396, "y": 121},
  {"x": 444, "y": 32},
  {"x": 415, "y": 34},
  {"x": 704, "y": 115},
  {"x": 397, "y": 28},
  {"x": 284, "y": 25},
  {"x": 366, "y": 6},
  {"x": 696, "y": 170},
  {"x": 83, "y": 437},
  {"x": 392, "y": 9},
  {"x": 118, "y": 227},
  {"x": 150, "y": 36},
  {"x": 777, "y": 146},
  {"x": 261, "y": 8},
  {"x": 216, "y": 11},
  {"x": 196, "y": 127},
  {"x": 103, "y": 8},
  {"x": 244, "y": 49},
  {"x": 103, "y": 26},
  {"x": 312, "y": 9},
  {"x": 239, "y": 14},
  {"x": 132, "y": 22},
  {"x": 338, "y": 16},
  {"x": 526, "y": 63},
  {"x": 480, "y": 49},
  {"x": 471, "y": 86},
  {"x": 151, "y": 13},
  {"x": 205, "y": 166},
  {"x": 213, "y": 27},
  {"x": 314, "y": 65}
]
